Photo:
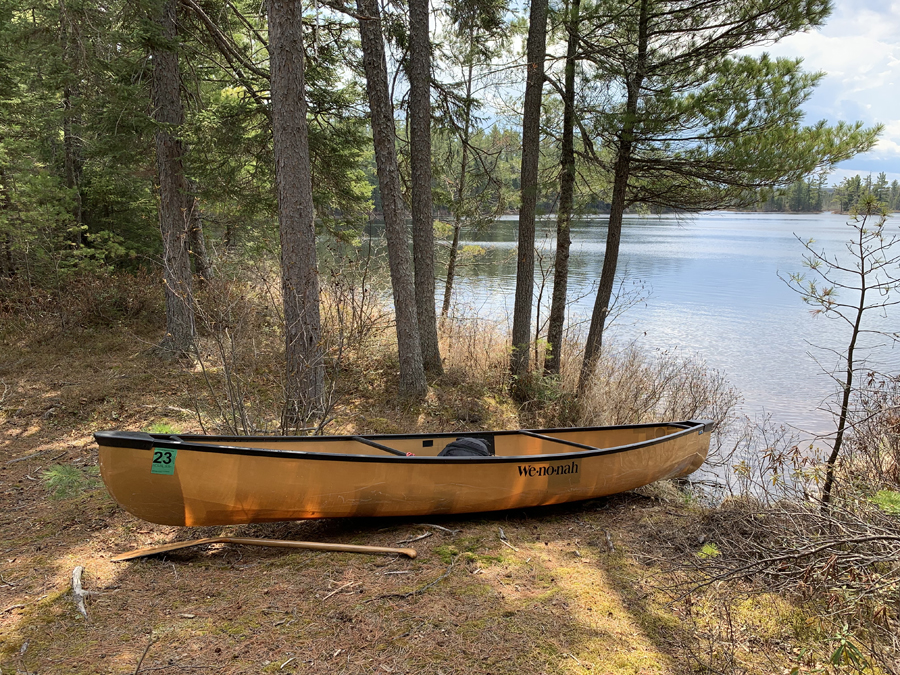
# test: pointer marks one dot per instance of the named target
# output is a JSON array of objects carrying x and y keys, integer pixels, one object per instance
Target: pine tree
[
  {"x": 531, "y": 142},
  {"x": 691, "y": 124}
]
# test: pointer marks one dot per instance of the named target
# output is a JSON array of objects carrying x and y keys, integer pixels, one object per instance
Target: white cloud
[{"x": 859, "y": 51}]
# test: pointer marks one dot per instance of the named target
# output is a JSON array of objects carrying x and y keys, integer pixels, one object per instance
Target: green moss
[
  {"x": 887, "y": 500},
  {"x": 474, "y": 590},
  {"x": 768, "y": 616},
  {"x": 709, "y": 550}
]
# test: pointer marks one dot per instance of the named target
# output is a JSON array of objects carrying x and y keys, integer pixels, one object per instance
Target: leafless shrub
[
  {"x": 630, "y": 387},
  {"x": 238, "y": 353},
  {"x": 766, "y": 461},
  {"x": 873, "y": 448},
  {"x": 841, "y": 564},
  {"x": 474, "y": 347},
  {"x": 240, "y": 345},
  {"x": 354, "y": 313}
]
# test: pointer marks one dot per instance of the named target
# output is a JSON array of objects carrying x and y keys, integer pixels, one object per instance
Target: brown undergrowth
[{"x": 573, "y": 589}]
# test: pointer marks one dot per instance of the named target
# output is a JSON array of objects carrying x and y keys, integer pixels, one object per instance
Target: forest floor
[{"x": 574, "y": 589}]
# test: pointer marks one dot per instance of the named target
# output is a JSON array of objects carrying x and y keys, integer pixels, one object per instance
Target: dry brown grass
[{"x": 562, "y": 602}]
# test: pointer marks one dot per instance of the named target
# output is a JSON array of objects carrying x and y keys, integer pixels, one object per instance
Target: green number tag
[{"x": 163, "y": 461}]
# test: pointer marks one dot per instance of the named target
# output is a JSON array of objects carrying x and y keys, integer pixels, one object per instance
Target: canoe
[{"x": 225, "y": 480}]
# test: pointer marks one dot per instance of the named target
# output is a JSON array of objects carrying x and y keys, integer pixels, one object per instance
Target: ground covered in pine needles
[{"x": 573, "y": 589}]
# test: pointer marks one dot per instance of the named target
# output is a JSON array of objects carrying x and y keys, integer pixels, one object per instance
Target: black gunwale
[{"x": 113, "y": 439}]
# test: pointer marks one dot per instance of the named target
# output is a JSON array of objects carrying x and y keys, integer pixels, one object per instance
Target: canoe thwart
[
  {"x": 373, "y": 444},
  {"x": 561, "y": 441},
  {"x": 275, "y": 543}
]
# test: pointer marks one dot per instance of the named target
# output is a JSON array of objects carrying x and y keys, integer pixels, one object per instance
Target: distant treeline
[{"x": 811, "y": 195}]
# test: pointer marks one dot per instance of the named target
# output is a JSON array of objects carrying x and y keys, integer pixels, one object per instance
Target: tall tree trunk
[
  {"x": 621, "y": 170},
  {"x": 531, "y": 139},
  {"x": 72, "y": 161},
  {"x": 451, "y": 266},
  {"x": 305, "y": 377},
  {"x": 412, "y": 372},
  {"x": 8, "y": 266},
  {"x": 229, "y": 240},
  {"x": 7, "y": 263},
  {"x": 557, "y": 318},
  {"x": 460, "y": 192},
  {"x": 168, "y": 115},
  {"x": 199, "y": 254},
  {"x": 849, "y": 367},
  {"x": 420, "y": 159}
]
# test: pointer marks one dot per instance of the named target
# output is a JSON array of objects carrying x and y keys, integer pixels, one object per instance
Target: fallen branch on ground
[{"x": 78, "y": 591}]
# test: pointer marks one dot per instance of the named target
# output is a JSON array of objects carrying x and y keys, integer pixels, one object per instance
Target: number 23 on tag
[{"x": 163, "y": 461}]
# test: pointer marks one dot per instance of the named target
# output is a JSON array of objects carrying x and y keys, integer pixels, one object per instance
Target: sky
[{"x": 859, "y": 50}]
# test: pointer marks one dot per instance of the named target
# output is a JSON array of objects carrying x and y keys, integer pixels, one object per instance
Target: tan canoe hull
[{"x": 215, "y": 481}]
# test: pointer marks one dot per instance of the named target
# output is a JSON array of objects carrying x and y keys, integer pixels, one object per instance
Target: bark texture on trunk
[
  {"x": 594, "y": 342},
  {"x": 7, "y": 263},
  {"x": 531, "y": 138},
  {"x": 451, "y": 267},
  {"x": 199, "y": 254},
  {"x": 412, "y": 372},
  {"x": 557, "y": 319},
  {"x": 460, "y": 194},
  {"x": 420, "y": 159},
  {"x": 849, "y": 367},
  {"x": 305, "y": 368},
  {"x": 73, "y": 160},
  {"x": 173, "y": 225}
]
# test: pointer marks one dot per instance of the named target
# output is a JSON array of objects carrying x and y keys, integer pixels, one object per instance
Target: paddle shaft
[{"x": 278, "y": 543}]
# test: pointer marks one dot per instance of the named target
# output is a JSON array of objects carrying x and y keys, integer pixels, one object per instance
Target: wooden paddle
[{"x": 281, "y": 543}]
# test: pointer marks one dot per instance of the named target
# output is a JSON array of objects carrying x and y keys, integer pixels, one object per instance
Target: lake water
[{"x": 713, "y": 291}]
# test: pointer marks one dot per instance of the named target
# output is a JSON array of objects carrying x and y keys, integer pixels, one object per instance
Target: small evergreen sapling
[{"x": 851, "y": 288}]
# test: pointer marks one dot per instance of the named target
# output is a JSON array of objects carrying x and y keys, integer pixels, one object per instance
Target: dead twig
[
  {"x": 144, "y": 655},
  {"x": 22, "y": 650},
  {"x": 26, "y": 457},
  {"x": 421, "y": 536},
  {"x": 339, "y": 589},
  {"x": 439, "y": 527},
  {"x": 504, "y": 540},
  {"x": 420, "y": 590}
]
